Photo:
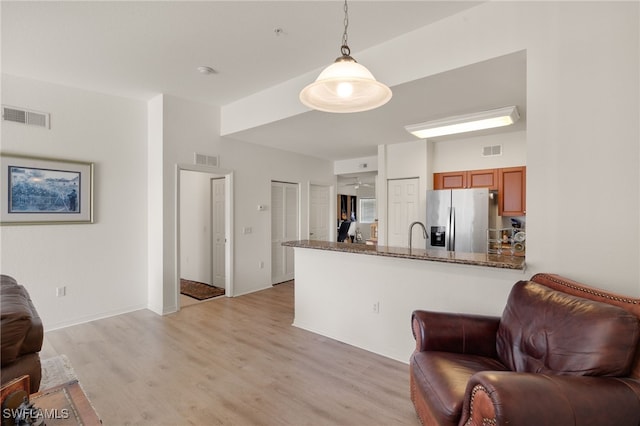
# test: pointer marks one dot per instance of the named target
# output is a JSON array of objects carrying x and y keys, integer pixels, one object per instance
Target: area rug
[
  {"x": 198, "y": 290},
  {"x": 56, "y": 371}
]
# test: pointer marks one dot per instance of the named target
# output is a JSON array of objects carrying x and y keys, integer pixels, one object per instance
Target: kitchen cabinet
[
  {"x": 509, "y": 182},
  {"x": 512, "y": 191},
  {"x": 487, "y": 178},
  {"x": 483, "y": 179},
  {"x": 450, "y": 180}
]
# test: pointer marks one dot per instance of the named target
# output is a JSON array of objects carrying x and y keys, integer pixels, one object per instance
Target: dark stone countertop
[{"x": 477, "y": 259}]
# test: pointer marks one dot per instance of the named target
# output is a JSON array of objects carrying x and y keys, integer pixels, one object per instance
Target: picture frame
[{"x": 43, "y": 191}]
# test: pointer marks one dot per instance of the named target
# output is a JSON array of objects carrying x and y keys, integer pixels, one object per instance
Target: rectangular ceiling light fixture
[{"x": 465, "y": 123}]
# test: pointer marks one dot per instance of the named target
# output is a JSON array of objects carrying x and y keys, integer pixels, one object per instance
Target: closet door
[
  {"x": 319, "y": 212},
  {"x": 403, "y": 199},
  {"x": 285, "y": 225}
]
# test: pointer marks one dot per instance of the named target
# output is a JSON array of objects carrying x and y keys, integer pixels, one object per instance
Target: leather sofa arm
[
  {"x": 21, "y": 329},
  {"x": 459, "y": 333},
  {"x": 509, "y": 398}
]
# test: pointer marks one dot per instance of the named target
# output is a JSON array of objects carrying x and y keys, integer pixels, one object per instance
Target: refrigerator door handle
[{"x": 452, "y": 229}]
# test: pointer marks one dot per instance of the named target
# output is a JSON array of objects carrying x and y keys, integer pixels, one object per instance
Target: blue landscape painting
[{"x": 34, "y": 190}]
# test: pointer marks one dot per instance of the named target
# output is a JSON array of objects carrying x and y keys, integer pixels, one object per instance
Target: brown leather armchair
[
  {"x": 561, "y": 354},
  {"x": 21, "y": 334}
]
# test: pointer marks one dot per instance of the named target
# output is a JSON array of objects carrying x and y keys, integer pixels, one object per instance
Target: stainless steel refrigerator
[{"x": 457, "y": 219}]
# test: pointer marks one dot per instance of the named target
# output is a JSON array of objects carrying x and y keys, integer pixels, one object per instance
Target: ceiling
[{"x": 141, "y": 49}]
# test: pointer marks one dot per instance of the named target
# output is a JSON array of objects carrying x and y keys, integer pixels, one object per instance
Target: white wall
[
  {"x": 102, "y": 265},
  {"x": 356, "y": 165},
  {"x": 582, "y": 143},
  {"x": 255, "y": 167},
  {"x": 127, "y": 259},
  {"x": 190, "y": 127},
  {"x": 466, "y": 153}
]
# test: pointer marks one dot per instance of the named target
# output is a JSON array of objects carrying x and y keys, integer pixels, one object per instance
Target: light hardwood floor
[{"x": 230, "y": 361}]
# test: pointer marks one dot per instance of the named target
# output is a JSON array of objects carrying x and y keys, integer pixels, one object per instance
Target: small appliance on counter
[{"x": 506, "y": 241}]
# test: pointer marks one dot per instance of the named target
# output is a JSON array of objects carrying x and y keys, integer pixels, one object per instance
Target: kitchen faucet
[{"x": 424, "y": 233}]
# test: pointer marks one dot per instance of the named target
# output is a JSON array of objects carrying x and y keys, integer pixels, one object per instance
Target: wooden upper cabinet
[
  {"x": 450, "y": 180},
  {"x": 510, "y": 182},
  {"x": 483, "y": 179},
  {"x": 512, "y": 191},
  {"x": 466, "y": 179}
]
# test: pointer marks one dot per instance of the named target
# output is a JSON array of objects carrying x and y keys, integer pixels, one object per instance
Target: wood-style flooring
[{"x": 230, "y": 361}]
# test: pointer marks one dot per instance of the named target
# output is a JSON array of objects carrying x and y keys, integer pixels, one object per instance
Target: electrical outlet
[
  {"x": 376, "y": 308},
  {"x": 61, "y": 291},
  {"x": 261, "y": 264}
]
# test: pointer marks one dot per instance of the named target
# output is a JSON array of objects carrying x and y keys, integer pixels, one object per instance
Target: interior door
[
  {"x": 403, "y": 199},
  {"x": 218, "y": 236},
  {"x": 319, "y": 213},
  {"x": 284, "y": 227}
]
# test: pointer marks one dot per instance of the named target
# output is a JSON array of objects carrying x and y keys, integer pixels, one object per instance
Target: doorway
[
  {"x": 285, "y": 226},
  {"x": 204, "y": 222}
]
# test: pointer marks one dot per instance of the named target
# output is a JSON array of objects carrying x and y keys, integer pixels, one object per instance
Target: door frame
[
  {"x": 212, "y": 233},
  {"x": 229, "y": 261},
  {"x": 332, "y": 209}
]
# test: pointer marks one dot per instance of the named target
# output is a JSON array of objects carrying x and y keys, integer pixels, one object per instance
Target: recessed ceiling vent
[
  {"x": 491, "y": 151},
  {"x": 206, "y": 160},
  {"x": 25, "y": 116}
]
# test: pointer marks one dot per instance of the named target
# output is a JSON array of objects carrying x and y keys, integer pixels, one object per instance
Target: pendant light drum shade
[{"x": 345, "y": 86}]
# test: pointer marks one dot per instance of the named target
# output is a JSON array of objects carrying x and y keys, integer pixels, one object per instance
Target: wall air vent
[
  {"x": 491, "y": 151},
  {"x": 25, "y": 116},
  {"x": 206, "y": 160}
]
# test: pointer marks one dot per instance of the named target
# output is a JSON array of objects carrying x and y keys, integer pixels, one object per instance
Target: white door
[
  {"x": 319, "y": 213},
  {"x": 403, "y": 200},
  {"x": 218, "y": 236},
  {"x": 284, "y": 227}
]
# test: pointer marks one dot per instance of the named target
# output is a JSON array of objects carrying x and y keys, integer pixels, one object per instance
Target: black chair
[{"x": 343, "y": 232}]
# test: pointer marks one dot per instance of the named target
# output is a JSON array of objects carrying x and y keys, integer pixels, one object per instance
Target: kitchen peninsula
[
  {"x": 478, "y": 259},
  {"x": 364, "y": 295}
]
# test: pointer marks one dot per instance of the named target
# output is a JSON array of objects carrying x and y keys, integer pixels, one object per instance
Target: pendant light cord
[{"x": 344, "y": 49}]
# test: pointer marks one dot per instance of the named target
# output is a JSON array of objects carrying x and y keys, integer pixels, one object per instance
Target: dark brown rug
[{"x": 200, "y": 291}]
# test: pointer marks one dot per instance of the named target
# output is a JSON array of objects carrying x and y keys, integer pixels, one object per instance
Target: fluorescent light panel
[{"x": 465, "y": 123}]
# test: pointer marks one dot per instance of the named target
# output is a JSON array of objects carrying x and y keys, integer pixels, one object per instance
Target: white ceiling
[{"x": 141, "y": 49}]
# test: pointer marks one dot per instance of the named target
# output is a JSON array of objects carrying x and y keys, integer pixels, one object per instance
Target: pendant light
[{"x": 345, "y": 85}]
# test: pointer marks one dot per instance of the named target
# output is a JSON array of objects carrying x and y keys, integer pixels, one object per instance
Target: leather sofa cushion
[
  {"x": 21, "y": 330},
  {"x": 442, "y": 379},
  {"x": 547, "y": 331}
]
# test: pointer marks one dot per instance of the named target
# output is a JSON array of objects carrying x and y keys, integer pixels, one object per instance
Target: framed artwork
[{"x": 45, "y": 191}]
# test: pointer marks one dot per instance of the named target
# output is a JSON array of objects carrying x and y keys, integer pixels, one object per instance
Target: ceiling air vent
[
  {"x": 491, "y": 151},
  {"x": 25, "y": 116},
  {"x": 206, "y": 160}
]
